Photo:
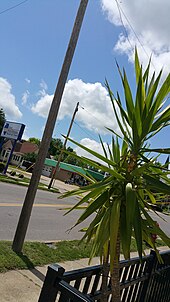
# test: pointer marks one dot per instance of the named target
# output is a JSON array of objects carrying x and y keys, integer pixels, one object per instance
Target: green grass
[
  {"x": 38, "y": 254},
  {"x": 25, "y": 182}
]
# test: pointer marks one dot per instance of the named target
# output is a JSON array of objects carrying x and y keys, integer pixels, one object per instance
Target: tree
[
  {"x": 34, "y": 140},
  {"x": 71, "y": 159},
  {"x": 69, "y": 149},
  {"x": 32, "y": 157},
  {"x": 2, "y": 119},
  {"x": 120, "y": 205},
  {"x": 56, "y": 146}
]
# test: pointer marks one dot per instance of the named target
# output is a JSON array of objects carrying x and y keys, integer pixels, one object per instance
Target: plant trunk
[
  {"x": 115, "y": 278},
  {"x": 105, "y": 274}
]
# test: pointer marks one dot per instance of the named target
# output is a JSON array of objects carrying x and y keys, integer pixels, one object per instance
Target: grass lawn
[
  {"x": 24, "y": 182},
  {"x": 38, "y": 254}
]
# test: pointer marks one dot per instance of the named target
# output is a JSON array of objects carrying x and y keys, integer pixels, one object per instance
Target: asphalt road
[{"x": 47, "y": 222}]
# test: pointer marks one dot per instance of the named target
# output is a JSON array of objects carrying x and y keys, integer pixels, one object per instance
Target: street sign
[{"x": 12, "y": 130}]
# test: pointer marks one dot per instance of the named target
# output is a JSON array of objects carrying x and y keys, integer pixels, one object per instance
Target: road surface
[{"x": 47, "y": 222}]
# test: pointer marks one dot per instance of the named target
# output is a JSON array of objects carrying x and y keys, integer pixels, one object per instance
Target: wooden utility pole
[
  {"x": 64, "y": 146},
  {"x": 48, "y": 131}
]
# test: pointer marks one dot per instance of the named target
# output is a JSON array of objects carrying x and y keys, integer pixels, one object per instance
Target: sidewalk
[
  {"x": 25, "y": 285},
  {"x": 58, "y": 184}
]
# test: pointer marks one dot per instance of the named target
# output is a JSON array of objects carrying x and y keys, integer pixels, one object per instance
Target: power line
[
  {"x": 93, "y": 117},
  {"x": 76, "y": 123},
  {"x": 130, "y": 25},
  {"x": 12, "y": 7},
  {"x": 121, "y": 20},
  {"x": 90, "y": 113},
  {"x": 88, "y": 133}
]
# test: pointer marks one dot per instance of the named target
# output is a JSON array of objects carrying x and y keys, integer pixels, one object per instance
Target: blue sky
[{"x": 34, "y": 38}]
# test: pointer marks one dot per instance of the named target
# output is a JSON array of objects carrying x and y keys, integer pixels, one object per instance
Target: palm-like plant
[{"x": 121, "y": 203}]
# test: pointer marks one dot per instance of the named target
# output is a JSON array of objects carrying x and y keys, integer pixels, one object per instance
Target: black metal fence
[{"x": 146, "y": 281}]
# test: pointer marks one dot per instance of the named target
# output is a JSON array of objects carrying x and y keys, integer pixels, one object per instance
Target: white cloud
[
  {"x": 151, "y": 22},
  {"x": 42, "y": 106},
  {"x": 93, "y": 145},
  {"x": 25, "y": 136},
  {"x": 43, "y": 85},
  {"x": 25, "y": 97},
  {"x": 7, "y": 101},
  {"x": 43, "y": 89},
  {"x": 28, "y": 81},
  {"x": 93, "y": 97}
]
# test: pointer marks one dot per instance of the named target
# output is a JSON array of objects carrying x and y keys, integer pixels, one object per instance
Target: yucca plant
[{"x": 121, "y": 204}]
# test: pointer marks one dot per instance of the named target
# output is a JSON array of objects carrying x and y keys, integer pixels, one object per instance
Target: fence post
[
  {"x": 149, "y": 269},
  {"x": 49, "y": 289}
]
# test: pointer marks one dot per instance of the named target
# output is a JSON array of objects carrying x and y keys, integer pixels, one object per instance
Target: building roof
[
  {"x": 28, "y": 147},
  {"x": 22, "y": 148},
  {"x": 7, "y": 145},
  {"x": 74, "y": 169}
]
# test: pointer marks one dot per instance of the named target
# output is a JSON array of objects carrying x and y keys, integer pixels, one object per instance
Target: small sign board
[{"x": 12, "y": 130}]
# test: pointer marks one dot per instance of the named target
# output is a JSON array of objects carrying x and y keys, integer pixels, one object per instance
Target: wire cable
[
  {"x": 12, "y": 7},
  {"x": 130, "y": 25},
  {"x": 93, "y": 116},
  {"x": 124, "y": 28},
  {"x": 88, "y": 133}
]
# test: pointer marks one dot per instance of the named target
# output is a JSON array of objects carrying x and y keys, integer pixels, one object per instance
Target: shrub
[
  {"x": 21, "y": 176},
  {"x": 2, "y": 167},
  {"x": 13, "y": 173}
]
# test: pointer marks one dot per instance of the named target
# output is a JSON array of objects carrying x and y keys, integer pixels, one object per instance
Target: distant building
[
  {"x": 68, "y": 172},
  {"x": 20, "y": 150}
]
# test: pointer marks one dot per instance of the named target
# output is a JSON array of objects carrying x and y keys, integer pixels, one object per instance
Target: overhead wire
[
  {"x": 12, "y": 7},
  {"x": 87, "y": 132},
  {"x": 92, "y": 116},
  {"x": 77, "y": 124},
  {"x": 120, "y": 10},
  {"x": 124, "y": 28}
]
